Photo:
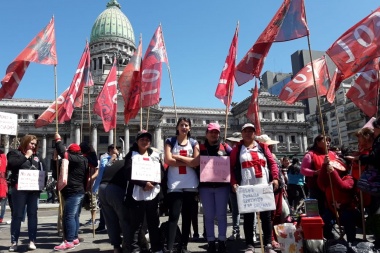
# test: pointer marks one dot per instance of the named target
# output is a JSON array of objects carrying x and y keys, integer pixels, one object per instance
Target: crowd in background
[{"x": 327, "y": 174}]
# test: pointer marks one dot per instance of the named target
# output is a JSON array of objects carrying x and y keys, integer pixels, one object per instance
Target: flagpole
[
  {"x": 56, "y": 164},
  {"x": 147, "y": 119},
  {"x": 323, "y": 133},
  {"x": 81, "y": 123},
  {"x": 170, "y": 77}
]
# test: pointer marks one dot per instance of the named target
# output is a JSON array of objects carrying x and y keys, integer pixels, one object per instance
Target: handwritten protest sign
[
  {"x": 31, "y": 180},
  {"x": 255, "y": 198},
  {"x": 8, "y": 123},
  {"x": 146, "y": 169},
  {"x": 215, "y": 169}
]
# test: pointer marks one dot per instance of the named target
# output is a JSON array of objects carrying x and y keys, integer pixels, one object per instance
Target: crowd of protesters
[{"x": 327, "y": 174}]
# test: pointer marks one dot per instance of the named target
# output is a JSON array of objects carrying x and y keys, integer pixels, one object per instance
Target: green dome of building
[{"x": 112, "y": 24}]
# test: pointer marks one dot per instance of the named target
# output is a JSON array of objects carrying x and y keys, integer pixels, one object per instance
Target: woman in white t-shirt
[{"x": 181, "y": 156}]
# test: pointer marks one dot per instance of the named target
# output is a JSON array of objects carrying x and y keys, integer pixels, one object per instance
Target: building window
[
  {"x": 291, "y": 115},
  {"x": 168, "y": 120},
  {"x": 100, "y": 62},
  {"x": 36, "y": 116},
  {"x": 293, "y": 139},
  {"x": 278, "y": 115},
  {"x": 281, "y": 139},
  {"x": 173, "y": 121},
  {"x": 207, "y": 121},
  {"x": 94, "y": 63},
  {"x": 103, "y": 139}
]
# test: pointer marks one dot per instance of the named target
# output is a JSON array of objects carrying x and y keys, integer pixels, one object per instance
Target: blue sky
[{"x": 197, "y": 34}]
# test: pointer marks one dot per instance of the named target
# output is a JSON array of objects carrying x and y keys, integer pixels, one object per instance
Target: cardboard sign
[
  {"x": 255, "y": 198},
  {"x": 31, "y": 180},
  {"x": 146, "y": 169},
  {"x": 8, "y": 123},
  {"x": 215, "y": 169}
]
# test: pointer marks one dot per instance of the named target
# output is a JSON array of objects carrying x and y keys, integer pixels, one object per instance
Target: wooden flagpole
[
  {"x": 90, "y": 139},
  {"x": 170, "y": 76},
  {"x": 60, "y": 215},
  {"x": 147, "y": 119},
  {"x": 81, "y": 122}
]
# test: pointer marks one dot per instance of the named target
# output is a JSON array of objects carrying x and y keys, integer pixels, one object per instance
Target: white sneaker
[
  {"x": 32, "y": 246},
  {"x": 13, "y": 248}
]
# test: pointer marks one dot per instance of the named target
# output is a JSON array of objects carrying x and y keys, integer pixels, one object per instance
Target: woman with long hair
[
  {"x": 182, "y": 156},
  {"x": 24, "y": 158}
]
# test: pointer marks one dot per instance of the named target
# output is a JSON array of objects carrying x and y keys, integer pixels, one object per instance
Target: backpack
[{"x": 173, "y": 140}]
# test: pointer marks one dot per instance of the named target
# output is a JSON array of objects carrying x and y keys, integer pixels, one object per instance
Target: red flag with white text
[
  {"x": 225, "y": 88},
  {"x": 253, "y": 110},
  {"x": 129, "y": 85},
  {"x": 357, "y": 46},
  {"x": 106, "y": 102},
  {"x": 151, "y": 69},
  {"x": 41, "y": 49},
  {"x": 288, "y": 23},
  {"x": 302, "y": 85},
  {"x": 334, "y": 85},
  {"x": 364, "y": 92},
  {"x": 82, "y": 78}
]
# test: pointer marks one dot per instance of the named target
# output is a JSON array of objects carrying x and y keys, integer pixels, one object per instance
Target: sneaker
[
  {"x": 269, "y": 249},
  {"x": 250, "y": 249},
  {"x": 234, "y": 236},
  {"x": 1, "y": 220},
  {"x": 195, "y": 238},
  {"x": 65, "y": 246},
  {"x": 211, "y": 247},
  {"x": 32, "y": 246},
  {"x": 222, "y": 247},
  {"x": 13, "y": 248},
  {"x": 76, "y": 242},
  {"x": 8, "y": 222},
  {"x": 100, "y": 229}
]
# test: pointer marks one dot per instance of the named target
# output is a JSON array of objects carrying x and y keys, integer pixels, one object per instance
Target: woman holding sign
[
  {"x": 182, "y": 156},
  {"x": 25, "y": 158},
  {"x": 252, "y": 163},
  {"x": 142, "y": 163},
  {"x": 214, "y": 188}
]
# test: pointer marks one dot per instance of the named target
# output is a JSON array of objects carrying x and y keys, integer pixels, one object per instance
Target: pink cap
[{"x": 213, "y": 126}]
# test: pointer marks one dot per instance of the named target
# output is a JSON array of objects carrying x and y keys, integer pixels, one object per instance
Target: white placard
[
  {"x": 215, "y": 169},
  {"x": 146, "y": 169},
  {"x": 8, "y": 123},
  {"x": 31, "y": 180},
  {"x": 255, "y": 198}
]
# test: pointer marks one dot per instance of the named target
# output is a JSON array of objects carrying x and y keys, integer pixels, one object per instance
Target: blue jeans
[
  {"x": 3, "y": 203},
  {"x": 235, "y": 213},
  {"x": 20, "y": 199},
  {"x": 214, "y": 201},
  {"x": 73, "y": 204}
]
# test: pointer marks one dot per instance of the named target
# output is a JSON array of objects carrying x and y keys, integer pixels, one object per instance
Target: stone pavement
[{"x": 47, "y": 236}]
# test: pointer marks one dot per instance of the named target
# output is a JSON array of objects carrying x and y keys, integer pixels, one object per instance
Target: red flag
[
  {"x": 288, "y": 23},
  {"x": 357, "y": 46},
  {"x": 302, "y": 85},
  {"x": 253, "y": 110},
  {"x": 364, "y": 92},
  {"x": 129, "y": 85},
  {"x": 334, "y": 85},
  {"x": 41, "y": 50},
  {"x": 151, "y": 69},
  {"x": 74, "y": 96},
  {"x": 106, "y": 102},
  {"x": 225, "y": 88}
]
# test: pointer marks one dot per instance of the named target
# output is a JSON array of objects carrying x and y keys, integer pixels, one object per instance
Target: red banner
[
  {"x": 41, "y": 49},
  {"x": 288, "y": 23},
  {"x": 334, "y": 86},
  {"x": 74, "y": 97},
  {"x": 357, "y": 46},
  {"x": 225, "y": 88},
  {"x": 106, "y": 102},
  {"x": 364, "y": 92},
  {"x": 302, "y": 85},
  {"x": 253, "y": 110},
  {"x": 151, "y": 69}
]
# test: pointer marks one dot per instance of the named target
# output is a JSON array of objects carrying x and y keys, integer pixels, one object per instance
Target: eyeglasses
[{"x": 33, "y": 143}]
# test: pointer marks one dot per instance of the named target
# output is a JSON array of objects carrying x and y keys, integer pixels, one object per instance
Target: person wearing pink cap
[
  {"x": 214, "y": 195},
  {"x": 73, "y": 192}
]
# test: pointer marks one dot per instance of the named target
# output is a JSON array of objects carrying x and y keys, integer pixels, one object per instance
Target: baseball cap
[
  {"x": 213, "y": 126},
  {"x": 74, "y": 148},
  {"x": 143, "y": 133},
  {"x": 246, "y": 125}
]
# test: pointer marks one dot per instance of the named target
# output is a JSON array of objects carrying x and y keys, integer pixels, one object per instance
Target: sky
[{"x": 197, "y": 34}]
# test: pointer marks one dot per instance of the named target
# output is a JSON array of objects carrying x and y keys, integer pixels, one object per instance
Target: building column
[
  {"x": 288, "y": 139},
  {"x": 272, "y": 115},
  {"x": 305, "y": 142},
  {"x": 95, "y": 137},
  {"x": 285, "y": 116},
  {"x": 158, "y": 138},
  {"x": 300, "y": 143},
  {"x": 77, "y": 133},
  {"x": 126, "y": 138},
  {"x": 44, "y": 146},
  {"x": 110, "y": 138},
  {"x": 6, "y": 144},
  {"x": 275, "y": 149}
]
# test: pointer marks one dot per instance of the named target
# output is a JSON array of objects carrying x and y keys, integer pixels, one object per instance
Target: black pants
[
  {"x": 266, "y": 224},
  {"x": 180, "y": 203},
  {"x": 137, "y": 210},
  {"x": 295, "y": 195}
]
